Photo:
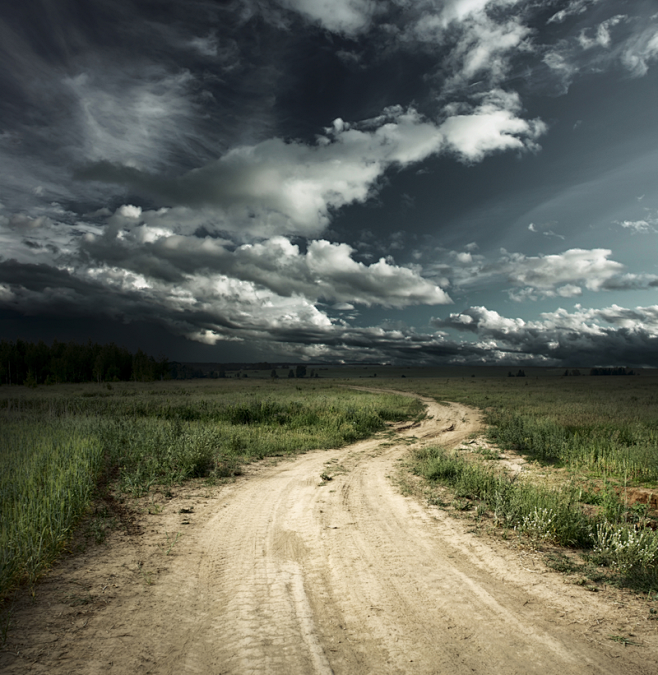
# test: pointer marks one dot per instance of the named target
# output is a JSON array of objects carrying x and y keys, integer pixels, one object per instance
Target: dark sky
[{"x": 440, "y": 181}]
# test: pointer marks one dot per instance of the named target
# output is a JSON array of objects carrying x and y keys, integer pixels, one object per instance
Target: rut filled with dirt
[{"x": 286, "y": 572}]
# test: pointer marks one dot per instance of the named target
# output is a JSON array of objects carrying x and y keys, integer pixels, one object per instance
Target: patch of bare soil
[{"x": 320, "y": 565}]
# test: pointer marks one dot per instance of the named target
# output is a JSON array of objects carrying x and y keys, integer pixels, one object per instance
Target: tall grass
[
  {"x": 169, "y": 443},
  {"x": 514, "y": 504},
  {"x": 47, "y": 478},
  {"x": 607, "y": 448},
  {"x": 56, "y": 443},
  {"x": 602, "y": 430}
]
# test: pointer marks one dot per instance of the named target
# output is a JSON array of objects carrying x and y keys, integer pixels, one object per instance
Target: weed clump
[{"x": 627, "y": 548}]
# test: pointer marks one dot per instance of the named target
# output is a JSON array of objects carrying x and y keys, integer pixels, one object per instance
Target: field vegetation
[
  {"x": 600, "y": 427},
  {"x": 591, "y": 444},
  {"x": 60, "y": 445}
]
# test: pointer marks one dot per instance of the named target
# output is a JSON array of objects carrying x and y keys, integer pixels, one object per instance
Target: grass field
[{"x": 58, "y": 444}]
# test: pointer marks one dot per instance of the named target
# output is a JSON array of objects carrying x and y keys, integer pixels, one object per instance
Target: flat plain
[{"x": 327, "y": 535}]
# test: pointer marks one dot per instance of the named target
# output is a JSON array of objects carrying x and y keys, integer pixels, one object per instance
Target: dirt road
[{"x": 284, "y": 572}]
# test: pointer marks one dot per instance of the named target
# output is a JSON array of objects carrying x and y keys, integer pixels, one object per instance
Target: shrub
[{"x": 626, "y": 547}]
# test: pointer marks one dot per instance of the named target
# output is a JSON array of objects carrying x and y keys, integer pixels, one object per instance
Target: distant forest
[{"x": 32, "y": 364}]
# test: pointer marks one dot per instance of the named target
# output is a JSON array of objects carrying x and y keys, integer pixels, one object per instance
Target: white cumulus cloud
[
  {"x": 339, "y": 16},
  {"x": 590, "y": 267},
  {"x": 612, "y": 335},
  {"x": 565, "y": 274},
  {"x": 493, "y": 126},
  {"x": 279, "y": 187}
]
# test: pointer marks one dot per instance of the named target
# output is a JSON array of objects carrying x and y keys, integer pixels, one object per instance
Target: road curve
[{"x": 292, "y": 574}]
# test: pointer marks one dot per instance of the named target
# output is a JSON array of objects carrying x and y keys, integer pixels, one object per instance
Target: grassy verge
[
  {"x": 615, "y": 542},
  {"x": 591, "y": 446},
  {"x": 47, "y": 479},
  {"x": 605, "y": 447},
  {"x": 58, "y": 443}
]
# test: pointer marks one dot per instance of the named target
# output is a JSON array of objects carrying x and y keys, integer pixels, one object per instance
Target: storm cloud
[{"x": 303, "y": 175}]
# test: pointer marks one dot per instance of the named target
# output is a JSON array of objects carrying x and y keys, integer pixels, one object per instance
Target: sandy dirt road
[{"x": 283, "y": 572}]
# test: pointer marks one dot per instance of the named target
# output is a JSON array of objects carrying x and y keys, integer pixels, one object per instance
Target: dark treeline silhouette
[
  {"x": 188, "y": 371},
  {"x": 611, "y": 371},
  {"x": 32, "y": 364},
  {"x": 620, "y": 370}
]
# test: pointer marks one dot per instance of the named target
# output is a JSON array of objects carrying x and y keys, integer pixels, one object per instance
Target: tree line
[
  {"x": 620, "y": 370},
  {"x": 32, "y": 364}
]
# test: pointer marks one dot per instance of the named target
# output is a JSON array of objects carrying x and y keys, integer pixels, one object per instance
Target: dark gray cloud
[
  {"x": 159, "y": 88},
  {"x": 585, "y": 337}
]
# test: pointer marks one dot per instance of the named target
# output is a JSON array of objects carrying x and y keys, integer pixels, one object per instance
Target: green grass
[
  {"x": 58, "y": 442},
  {"x": 604, "y": 447},
  {"x": 48, "y": 474},
  {"x": 594, "y": 438}
]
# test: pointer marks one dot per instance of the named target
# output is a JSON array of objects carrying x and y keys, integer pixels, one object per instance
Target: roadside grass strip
[
  {"x": 624, "y": 448},
  {"x": 546, "y": 513},
  {"x": 614, "y": 538},
  {"x": 606, "y": 427}
]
